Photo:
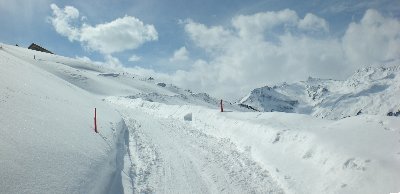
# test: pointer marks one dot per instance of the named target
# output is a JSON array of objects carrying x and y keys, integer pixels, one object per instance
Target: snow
[
  {"x": 302, "y": 153},
  {"x": 170, "y": 156},
  {"x": 268, "y": 100},
  {"x": 47, "y": 140},
  {"x": 158, "y": 138}
]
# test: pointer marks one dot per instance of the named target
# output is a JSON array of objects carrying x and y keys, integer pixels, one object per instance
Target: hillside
[
  {"x": 372, "y": 91},
  {"x": 47, "y": 138},
  {"x": 148, "y": 143}
]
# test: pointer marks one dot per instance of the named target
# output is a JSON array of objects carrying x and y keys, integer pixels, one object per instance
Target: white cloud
[
  {"x": 112, "y": 61},
  {"x": 313, "y": 23},
  {"x": 134, "y": 58},
  {"x": 211, "y": 39},
  {"x": 62, "y": 19},
  {"x": 252, "y": 26},
  {"x": 373, "y": 40},
  {"x": 116, "y": 36},
  {"x": 119, "y": 35},
  {"x": 109, "y": 61},
  {"x": 84, "y": 59},
  {"x": 180, "y": 55},
  {"x": 255, "y": 26},
  {"x": 253, "y": 54}
]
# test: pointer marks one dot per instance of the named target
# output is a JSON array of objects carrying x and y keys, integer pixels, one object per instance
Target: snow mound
[{"x": 188, "y": 117}]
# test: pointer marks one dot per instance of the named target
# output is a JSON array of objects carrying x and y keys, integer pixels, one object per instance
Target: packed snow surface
[{"x": 157, "y": 138}]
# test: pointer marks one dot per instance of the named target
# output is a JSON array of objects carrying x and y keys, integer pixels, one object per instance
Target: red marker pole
[
  {"x": 95, "y": 121},
  {"x": 222, "y": 107}
]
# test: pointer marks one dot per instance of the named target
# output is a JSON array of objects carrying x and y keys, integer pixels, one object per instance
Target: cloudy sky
[{"x": 223, "y": 47}]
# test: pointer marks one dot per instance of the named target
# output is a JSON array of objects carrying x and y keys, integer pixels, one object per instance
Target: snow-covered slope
[
  {"x": 147, "y": 144},
  {"x": 104, "y": 81},
  {"x": 373, "y": 91},
  {"x": 47, "y": 143}
]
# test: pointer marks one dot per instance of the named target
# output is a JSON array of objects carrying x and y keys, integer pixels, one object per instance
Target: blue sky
[{"x": 208, "y": 45}]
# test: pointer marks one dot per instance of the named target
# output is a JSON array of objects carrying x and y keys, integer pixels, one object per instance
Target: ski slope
[{"x": 145, "y": 144}]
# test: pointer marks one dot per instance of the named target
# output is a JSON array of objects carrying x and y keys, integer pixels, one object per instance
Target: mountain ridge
[{"x": 370, "y": 90}]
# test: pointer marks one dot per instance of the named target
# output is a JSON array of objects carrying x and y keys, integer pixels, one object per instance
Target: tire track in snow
[
  {"x": 231, "y": 170},
  {"x": 144, "y": 158},
  {"x": 170, "y": 156}
]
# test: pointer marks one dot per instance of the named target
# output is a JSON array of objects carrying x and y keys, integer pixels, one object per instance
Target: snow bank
[{"x": 305, "y": 154}]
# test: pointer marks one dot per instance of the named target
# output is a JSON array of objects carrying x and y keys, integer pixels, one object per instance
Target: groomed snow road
[{"x": 167, "y": 155}]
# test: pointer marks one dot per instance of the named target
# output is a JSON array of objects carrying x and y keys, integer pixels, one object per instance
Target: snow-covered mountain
[
  {"x": 268, "y": 100},
  {"x": 373, "y": 90},
  {"x": 146, "y": 144}
]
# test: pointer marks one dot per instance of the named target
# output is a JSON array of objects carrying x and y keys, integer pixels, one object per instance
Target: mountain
[
  {"x": 266, "y": 99},
  {"x": 372, "y": 90}
]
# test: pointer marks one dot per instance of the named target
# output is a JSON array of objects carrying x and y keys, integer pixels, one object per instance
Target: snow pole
[
  {"x": 95, "y": 121},
  {"x": 222, "y": 107}
]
